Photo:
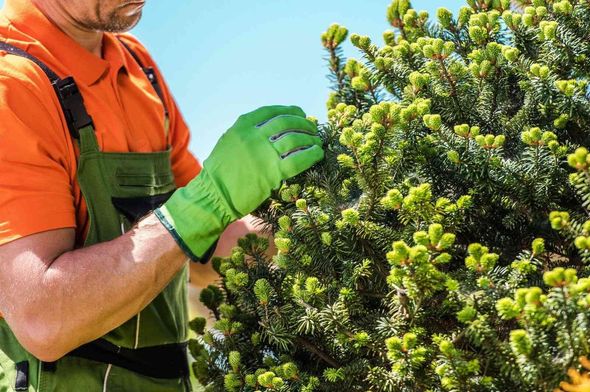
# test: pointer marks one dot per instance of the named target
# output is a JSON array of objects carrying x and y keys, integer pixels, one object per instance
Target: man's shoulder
[{"x": 20, "y": 72}]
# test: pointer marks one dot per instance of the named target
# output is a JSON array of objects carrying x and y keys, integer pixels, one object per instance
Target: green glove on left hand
[{"x": 262, "y": 149}]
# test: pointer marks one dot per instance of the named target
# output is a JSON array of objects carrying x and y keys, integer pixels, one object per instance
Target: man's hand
[
  {"x": 55, "y": 299},
  {"x": 251, "y": 159}
]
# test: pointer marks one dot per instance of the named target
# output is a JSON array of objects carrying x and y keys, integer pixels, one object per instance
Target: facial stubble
[{"x": 113, "y": 22}]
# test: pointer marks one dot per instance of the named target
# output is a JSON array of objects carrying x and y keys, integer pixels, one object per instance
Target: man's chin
[{"x": 124, "y": 24}]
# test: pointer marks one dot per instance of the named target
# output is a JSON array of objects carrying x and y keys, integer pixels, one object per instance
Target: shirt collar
[
  {"x": 79, "y": 62},
  {"x": 114, "y": 53}
]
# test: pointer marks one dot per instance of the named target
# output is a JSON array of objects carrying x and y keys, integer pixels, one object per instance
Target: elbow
[
  {"x": 46, "y": 353},
  {"x": 44, "y": 345},
  {"x": 41, "y": 338}
]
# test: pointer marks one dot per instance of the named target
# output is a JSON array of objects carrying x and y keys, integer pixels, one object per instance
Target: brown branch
[
  {"x": 313, "y": 349},
  {"x": 448, "y": 78}
]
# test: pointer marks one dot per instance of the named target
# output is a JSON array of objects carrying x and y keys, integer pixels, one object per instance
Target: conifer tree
[{"x": 442, "y": 245}]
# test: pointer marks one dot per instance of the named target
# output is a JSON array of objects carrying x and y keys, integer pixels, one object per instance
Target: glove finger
[
  {"x": 294, "y": 140},
  {"x": 301, "y": 160},
  {"x": 278, "y": 125},
  {"x": 265, "y": 113}
]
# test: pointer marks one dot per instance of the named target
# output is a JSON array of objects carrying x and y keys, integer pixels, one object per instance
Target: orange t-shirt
[{"x": 38, "y": 187}]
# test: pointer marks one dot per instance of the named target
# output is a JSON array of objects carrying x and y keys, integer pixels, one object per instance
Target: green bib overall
[{"x": 147, "y": 353}]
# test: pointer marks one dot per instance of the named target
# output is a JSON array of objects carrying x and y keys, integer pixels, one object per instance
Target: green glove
[{"x": 251, "y": 159}]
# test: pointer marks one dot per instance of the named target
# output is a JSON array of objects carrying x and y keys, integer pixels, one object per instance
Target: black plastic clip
[
  {"x": 72, "y": 104},
  {"x": 22, "y": 376}
]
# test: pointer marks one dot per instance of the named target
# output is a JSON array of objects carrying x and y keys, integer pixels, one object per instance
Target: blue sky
[{"x": 222, "y": 58}]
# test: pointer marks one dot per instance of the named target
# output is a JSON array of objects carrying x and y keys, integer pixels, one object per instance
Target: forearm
[
  {"x": 203, "y": 275},
  {"x": 86, "y": 293}
]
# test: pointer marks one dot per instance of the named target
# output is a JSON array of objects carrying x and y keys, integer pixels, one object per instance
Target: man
[{"x": 92, "y": 282}]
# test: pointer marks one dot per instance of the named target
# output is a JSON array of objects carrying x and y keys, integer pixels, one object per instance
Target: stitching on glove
[
  {"x": 272, "y": 119},
  {"x": 295, "y": 151},
  {"x": 281, "y": 135}
]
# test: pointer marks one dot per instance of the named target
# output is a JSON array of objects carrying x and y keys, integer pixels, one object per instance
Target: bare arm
[
  {"x": 203, "y": 275},
  {"x": 56, "y": 299}
]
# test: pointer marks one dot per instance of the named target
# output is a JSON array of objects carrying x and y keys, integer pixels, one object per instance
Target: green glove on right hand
[{"x": 251, "y": 159}]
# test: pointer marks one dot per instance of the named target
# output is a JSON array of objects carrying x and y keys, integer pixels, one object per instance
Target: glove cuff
[{"x": 196, "y": 216}]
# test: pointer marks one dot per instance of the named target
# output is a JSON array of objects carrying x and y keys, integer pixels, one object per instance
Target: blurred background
[{"x": 222, "y": 58}]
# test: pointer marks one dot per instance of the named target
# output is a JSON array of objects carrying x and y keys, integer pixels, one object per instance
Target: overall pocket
[{"x": 145, "y": 182}]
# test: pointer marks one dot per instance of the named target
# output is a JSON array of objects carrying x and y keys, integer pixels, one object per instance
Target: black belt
[{"x": 166, "y": 361}]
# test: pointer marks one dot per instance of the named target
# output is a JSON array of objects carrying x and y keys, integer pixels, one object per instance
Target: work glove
[{"x": 262, "y": 149}]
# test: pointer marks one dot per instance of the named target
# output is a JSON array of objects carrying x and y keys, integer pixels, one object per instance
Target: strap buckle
[{"x": 72, "y": 104}]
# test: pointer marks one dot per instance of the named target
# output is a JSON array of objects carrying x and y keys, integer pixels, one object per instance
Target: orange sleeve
[
  {"x": 184, "y": 164},
  {"x": 35, "y": 187}
]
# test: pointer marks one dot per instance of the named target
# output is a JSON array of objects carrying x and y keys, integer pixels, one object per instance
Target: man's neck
[{"x": 55, "y": 12}]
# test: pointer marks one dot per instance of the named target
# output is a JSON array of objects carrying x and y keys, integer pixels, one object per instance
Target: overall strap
[
  {"x": 150, "y": 73},
  {"x": 67, "y": 91}
]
